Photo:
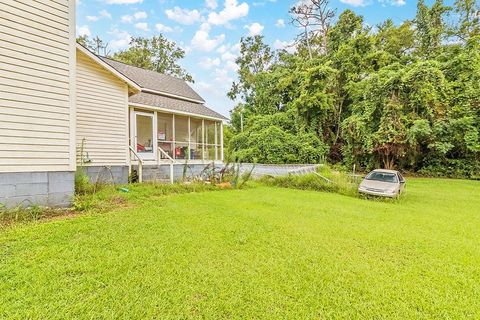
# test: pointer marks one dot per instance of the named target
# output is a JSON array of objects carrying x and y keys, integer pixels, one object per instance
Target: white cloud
[
  {"x": 140, "y": 15},
  {"x": 284, "y": 45},
  {"x": 231, "y": 11},
  {"x": 101, "y": 14},
  {"x": 83, "y": 31},
  {"x": 162, "y": 28},
  {"x": 398, "y": 3},
  {"x": 183, "y": 16},
  {"x": 355, "y": 3},
  {"x": 123, "y": 1},
  {"x": 222, "y": 77},
  {"x": 228, "y": 55},
  {"x": 254, "y": 29},
  {"x": 126, "y": 19},
  {"x": 202, "y": 41},
  {"x": 121, "y": 41},
  {"x": 142, "y": 26},
  {"x": 263, "y": 3},
  {"x": 280, "y": 23},
  {"x": 211, "y": 4},
  {"x": 105, "y": 14},
  {"x": 208, "y": 63},
  {"x": 136, "y": 16}
]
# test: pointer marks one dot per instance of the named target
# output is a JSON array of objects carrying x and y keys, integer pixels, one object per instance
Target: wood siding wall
[
  {"x": 102, "y": 114},
  {"x": 37, "y": 85}
]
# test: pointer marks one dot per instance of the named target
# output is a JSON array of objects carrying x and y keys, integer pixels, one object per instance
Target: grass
[{"x": 264, "y": 253}]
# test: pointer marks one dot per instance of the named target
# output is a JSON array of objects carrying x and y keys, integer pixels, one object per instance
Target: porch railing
[
  {"x": 140, "y": 165},
  {"x": 170, "y": 159}
]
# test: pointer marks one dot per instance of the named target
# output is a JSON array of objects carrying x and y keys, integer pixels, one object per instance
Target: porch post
[
  {"x": 203, "y": 139},
  {"x": 221, "y": 141},
  {"x": 216, "y": 142},
  {"x": 155, "y": 137},
  {"x": 189, "y": 138},
  {"x": 173, "y": 136}
]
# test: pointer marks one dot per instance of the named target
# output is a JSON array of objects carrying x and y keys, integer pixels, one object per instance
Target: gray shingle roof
[
  {"x": 173, "y": 104},
  {"x": 155, "y": 81}
]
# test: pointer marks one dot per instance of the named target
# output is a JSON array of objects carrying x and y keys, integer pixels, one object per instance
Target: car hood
[{"x": 379, "y": 185}]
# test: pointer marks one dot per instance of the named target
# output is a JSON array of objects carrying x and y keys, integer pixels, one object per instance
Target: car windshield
[{"x": 383, "y": 176}]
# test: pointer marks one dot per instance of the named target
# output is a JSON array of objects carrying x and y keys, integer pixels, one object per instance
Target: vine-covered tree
[{"x": 401, "y": 96}]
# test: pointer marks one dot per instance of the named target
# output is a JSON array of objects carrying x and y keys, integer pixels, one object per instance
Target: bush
[
  {"x": 273, "y": 145},
  {"x": 452, "y": 168},
  {"x": 82, "y": 182}
]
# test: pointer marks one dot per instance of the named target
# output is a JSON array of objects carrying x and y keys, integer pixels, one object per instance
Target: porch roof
[
  {"x": 181, "y": 106},
  {"x": 155, "y": 81}
]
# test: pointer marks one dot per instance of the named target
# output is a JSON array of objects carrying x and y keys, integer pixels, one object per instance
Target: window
[{"x": 382, "y": 176}]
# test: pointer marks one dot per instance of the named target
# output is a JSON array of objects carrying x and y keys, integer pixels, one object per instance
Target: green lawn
[{"x": 264, "y": 253}]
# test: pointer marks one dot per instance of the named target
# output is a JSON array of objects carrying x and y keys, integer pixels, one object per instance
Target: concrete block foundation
[
  {"x": 53, "y": 189},
  {"x": 162, "y": 172},
  {"x": 103, "y": 174}
]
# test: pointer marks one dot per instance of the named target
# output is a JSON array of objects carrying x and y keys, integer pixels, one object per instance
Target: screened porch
[{"x": 155, "y": 134}]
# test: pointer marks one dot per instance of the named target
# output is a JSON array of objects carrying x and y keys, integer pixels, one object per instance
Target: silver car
[{"x": 383, "y": 183}]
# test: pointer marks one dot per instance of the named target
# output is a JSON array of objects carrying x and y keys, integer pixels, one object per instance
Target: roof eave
[
  {"x": 184, "y": 113},
  {"x": 170, "y": 95}
]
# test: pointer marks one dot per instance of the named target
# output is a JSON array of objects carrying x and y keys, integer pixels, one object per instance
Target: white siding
[
  {"x": 101, "y": 113},
  {"x": 36, "y": 85}
]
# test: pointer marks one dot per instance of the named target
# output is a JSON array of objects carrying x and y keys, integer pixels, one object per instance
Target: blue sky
[{"x": 209, "y": 30}]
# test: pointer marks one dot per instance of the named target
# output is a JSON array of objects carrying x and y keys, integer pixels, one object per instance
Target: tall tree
[
  {"x": 255, "y": 57},
  {"x": 315, "y": 18},
  {"x": 430, "y": 27},
  {"x": 157, "y": 53},
  {"x": 469, "y": 18}
]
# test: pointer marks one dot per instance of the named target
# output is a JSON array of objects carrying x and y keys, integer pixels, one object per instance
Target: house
[
  {"x": 127, "y": 116},
  {"x": 62, "y": 107}
]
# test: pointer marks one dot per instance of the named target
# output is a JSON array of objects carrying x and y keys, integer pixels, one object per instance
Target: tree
[
  {"x": 315, "y": 18},
  {"x": 96, "y": 45},
  {"x": 469, "y": 19},
  {"x": 431, "y": 27},
  {"x": 399, "y": 95},
  {"x": 255, "y": 57},
  {"x": 157, "y": 53}
]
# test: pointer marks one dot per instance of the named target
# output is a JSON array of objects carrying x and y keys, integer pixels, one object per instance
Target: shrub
[
  {"x": 452, "y": 168},
  {"x": 82, "y": 182}
]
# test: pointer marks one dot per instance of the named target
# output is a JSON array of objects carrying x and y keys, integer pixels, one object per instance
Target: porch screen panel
[
  {"x": 144, "y": 134},
  {"x": 210, "y": 143},
  {"x": 196, "y": 141},
  {"x": 181, "y": 137},
  {"x": 218, "y": 149},
  {"x": 165, "y": 132}
]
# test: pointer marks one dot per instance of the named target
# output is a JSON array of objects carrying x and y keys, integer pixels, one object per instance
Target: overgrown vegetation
[
  {"x": 23, "y": 213},
  {"x": 396, "y": 96},
  {"x": 326, "y": 179}
]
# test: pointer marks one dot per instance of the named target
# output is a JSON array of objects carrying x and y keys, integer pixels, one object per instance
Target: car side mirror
[{"x": 402, "y": 181}]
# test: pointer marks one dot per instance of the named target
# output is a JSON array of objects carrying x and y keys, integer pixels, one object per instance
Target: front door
[{"x": 144, "y": 142}]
